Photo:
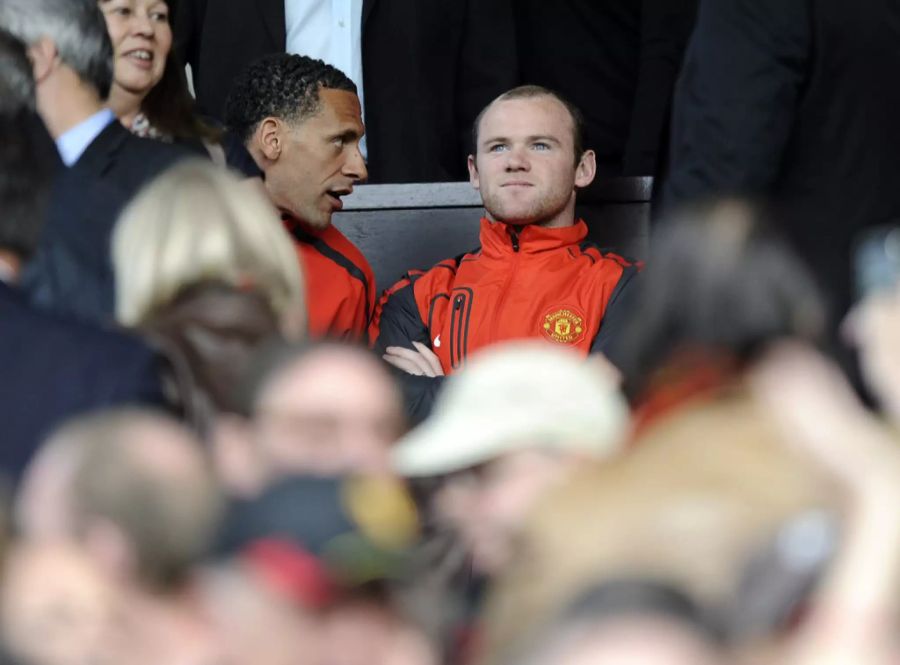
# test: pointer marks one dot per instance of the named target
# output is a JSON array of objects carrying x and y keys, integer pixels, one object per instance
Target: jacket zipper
[
  {"x": 456, "y": 331},
  {"x": 498, "y": 311}
]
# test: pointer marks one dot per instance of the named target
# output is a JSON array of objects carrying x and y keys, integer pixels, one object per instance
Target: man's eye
[
  {"x": 541, "y": 146},
  {"x": 498, "y": 147}
]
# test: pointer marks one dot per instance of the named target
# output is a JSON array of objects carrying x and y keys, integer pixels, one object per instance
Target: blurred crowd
[{"x": 219, "y": 445}]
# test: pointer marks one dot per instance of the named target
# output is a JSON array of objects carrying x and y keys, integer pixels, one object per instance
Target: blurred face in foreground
[
  {"x": 488, "y": 505},
  {"x": 525, "y": 165},
  {"x": 333, "y": 411}
]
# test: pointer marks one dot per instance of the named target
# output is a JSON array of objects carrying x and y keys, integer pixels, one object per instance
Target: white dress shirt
[
  {"x": 74, "y": 142},
  {"x": 329, "y": 30}
]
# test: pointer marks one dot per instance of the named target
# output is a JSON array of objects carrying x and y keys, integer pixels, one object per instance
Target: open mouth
[
  {"x": 140, "y": 56},
  {"x": 334, "y": 196}
]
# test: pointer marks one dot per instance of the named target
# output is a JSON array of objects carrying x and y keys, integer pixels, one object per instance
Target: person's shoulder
[
  {"x": 60, "y": 334},
  {"x": 338, "y": 242}
]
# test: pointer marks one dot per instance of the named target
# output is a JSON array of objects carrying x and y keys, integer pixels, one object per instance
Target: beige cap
[{"x": 517, "y": 396}]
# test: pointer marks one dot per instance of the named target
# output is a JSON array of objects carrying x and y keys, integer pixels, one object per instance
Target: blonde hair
[{"x": 197, "y": 222}]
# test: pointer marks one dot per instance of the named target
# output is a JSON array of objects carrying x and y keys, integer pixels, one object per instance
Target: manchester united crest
[{"x": 564, "y": 325}]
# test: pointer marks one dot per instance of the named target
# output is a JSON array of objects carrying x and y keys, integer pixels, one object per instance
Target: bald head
[{"x": 137, "y": 472}]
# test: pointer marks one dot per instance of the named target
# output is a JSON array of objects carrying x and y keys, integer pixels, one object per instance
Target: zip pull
[{"x": 514, "y": 234}]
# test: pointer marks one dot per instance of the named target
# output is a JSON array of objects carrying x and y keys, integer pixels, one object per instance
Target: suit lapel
[
  {"x": 368, "y": 5},
  {"x": 100, "y": 154},
  {"x": 273, "y": 16}
]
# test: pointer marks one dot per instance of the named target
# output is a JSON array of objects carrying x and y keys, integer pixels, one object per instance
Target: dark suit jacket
[
  {"x": 71, "y": 271},
  {"x": 54, "y": 369},
  {"x": 429, "y": 66},
  {"x": 617, "y": 61},
  {"x": 795, "y": 101}
]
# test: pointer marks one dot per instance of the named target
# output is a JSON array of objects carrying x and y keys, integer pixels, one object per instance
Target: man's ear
[
  {"x": 269, "y": 138},
  {"x": 586, "y": 169},
  {"x": 473, "y": 172},
  {"x": 42, "y": 54}
]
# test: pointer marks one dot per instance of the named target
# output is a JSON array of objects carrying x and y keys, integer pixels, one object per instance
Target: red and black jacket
[
  {"x": 340, "y": 285},
  {"x": 524, "y": 282}
]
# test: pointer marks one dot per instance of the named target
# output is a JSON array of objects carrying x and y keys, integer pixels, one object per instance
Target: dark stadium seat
[{"x": 399, "y": 227}]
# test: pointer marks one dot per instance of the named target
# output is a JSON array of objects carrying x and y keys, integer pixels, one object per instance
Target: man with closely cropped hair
[
  {"x": 535, "y": 275},
  {"x": 301, "y": 121}
]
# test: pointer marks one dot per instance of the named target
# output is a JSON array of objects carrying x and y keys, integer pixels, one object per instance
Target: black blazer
[
  {"x": 54, "y": 369},
  {"x": 429, "y": 66},
  {"x": 795, "y": 101},
  {"x": 71, "y": 271},
  {"x": 617, "y": 61}
]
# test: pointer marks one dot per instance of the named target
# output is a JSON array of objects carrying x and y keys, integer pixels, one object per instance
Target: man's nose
[
  {"x": 355, "y": 166},
  {"x": 517, "y": 160}
]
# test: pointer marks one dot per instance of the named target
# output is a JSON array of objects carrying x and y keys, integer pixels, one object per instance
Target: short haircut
[
  {"x": 169, "y": 515},
  {"x": 25, "y": 175},
  {"x": 195, "y": 223},
  {"x": 76, "y": 27},
  {"x": 282, "y": 86},
  {"x": 530, "y": 92}
]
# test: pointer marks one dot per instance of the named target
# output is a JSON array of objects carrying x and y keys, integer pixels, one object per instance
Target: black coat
[
  {"x": 797, "y": 102},
  {"x": 54, "y": 369},
  {"x": 617, "y": 61},
  {"x": 429, "y": 66},
  {"x": 71, "y": 272}
]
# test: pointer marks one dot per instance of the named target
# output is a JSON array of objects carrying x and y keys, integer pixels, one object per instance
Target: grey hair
[
  {"x": 76, "y": 27},
  {"x": 16, "y": 81}
]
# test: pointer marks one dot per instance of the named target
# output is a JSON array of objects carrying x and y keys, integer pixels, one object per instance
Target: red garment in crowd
[{"x": 340, "y": 285}]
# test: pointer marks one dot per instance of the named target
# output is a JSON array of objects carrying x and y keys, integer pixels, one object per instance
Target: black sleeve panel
[
  {"x": 401, "y": 324},
  {"x": 617, "y": 313}
]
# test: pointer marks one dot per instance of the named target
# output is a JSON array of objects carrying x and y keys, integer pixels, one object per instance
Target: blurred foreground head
[
  {"x": 512, "y": 424},
  {"x": 321, "y": 409},
  {"x": 719, "y": 288},
  {"x": 690, "y": 504},
  {"x": 198, "y": 223},
  {"x": 25, "y": 173},
  {"x": 57, "y": 606},
  {"x": 132, "y": 487}
]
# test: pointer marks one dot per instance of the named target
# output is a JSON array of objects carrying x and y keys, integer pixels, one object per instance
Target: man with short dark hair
[
  {"x": 71, "y": 56},
  {"x": 301, "y": 121},
  {"x": 534, "y": 275}
]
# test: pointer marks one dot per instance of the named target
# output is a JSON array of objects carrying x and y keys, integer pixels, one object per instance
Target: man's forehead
[{"x": 537, "y": 115}]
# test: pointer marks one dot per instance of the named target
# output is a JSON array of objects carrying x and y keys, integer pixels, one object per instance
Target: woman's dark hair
[
  {"x": 718, "y": 283},
  {"x": 169, "y": 106}
]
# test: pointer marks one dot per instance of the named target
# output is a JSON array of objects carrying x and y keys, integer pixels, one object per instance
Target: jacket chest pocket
[{"x": 460, "y": 315}]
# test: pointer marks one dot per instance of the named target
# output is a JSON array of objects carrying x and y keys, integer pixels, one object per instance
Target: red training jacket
[
  {"x": 524, "y": 282},
  {"x": 340, "y": 285}
]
